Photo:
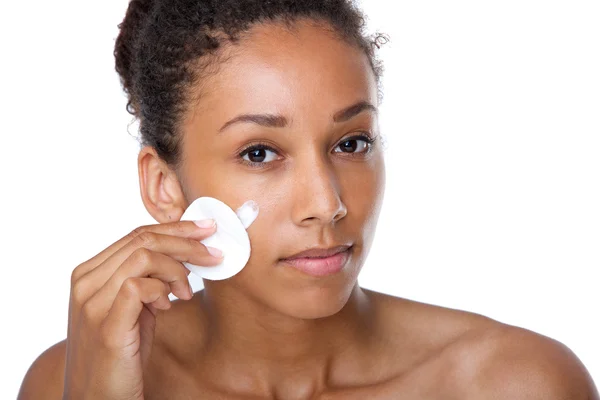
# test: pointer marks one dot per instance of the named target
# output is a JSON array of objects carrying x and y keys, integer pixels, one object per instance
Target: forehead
[{"x": 307, "y": 71}]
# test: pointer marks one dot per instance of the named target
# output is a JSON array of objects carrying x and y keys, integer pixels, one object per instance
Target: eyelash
[{"x": 263, "y": 146}]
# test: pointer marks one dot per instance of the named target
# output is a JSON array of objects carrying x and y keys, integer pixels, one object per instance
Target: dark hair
[{"x": 165, "y": 47}]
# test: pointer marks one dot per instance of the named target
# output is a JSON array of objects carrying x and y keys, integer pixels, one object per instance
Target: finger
[
  {"x": 185, "y": 229},
  {"x": 181, "y": 249},
  {"x": 125, "y": 310},
  {"x": 145, "y": 263}
]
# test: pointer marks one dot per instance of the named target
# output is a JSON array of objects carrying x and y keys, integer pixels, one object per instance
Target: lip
[
  {"x": 318, "y": 252},
  {"x": 320, "y": 262}
]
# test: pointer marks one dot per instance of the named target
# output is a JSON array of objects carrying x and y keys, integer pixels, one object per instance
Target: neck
[{"x": 269, "y": 346}]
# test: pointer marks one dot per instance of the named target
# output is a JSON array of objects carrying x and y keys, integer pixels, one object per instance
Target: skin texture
[{"x": 272, "y": 332}]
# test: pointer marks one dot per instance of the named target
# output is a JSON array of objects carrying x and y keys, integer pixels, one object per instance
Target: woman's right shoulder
[{"x": 45, "y": 377}]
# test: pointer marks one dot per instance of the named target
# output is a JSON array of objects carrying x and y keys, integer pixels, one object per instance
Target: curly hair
[{"x": 165, "y": 47}]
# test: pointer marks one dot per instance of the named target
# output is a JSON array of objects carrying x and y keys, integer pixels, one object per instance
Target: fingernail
[
  {"x": 214, "y": 252},
  {"x": 191, "y": 290},
  {"x": 205, "y": 223}
]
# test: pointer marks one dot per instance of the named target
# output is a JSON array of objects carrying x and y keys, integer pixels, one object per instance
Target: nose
[{"x": 317, "y": 197}]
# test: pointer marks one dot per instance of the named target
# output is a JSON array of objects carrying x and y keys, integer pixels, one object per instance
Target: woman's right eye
[{"x": 257, "y": 155}]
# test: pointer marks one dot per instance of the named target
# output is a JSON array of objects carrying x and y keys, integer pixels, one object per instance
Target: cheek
[
  {"x": 363, "y": 191},
  {"x": 267, "y": 232},
  {"x": 371, "y": 219}
]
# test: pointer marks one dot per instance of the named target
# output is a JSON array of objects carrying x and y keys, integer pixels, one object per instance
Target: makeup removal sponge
[{"x": 230, "y": 237}]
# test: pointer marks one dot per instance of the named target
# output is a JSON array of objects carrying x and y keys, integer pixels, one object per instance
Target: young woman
[{"x": 273, "y": 101}]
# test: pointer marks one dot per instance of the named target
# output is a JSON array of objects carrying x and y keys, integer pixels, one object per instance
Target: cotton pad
[{"x": 230, "y": 236}]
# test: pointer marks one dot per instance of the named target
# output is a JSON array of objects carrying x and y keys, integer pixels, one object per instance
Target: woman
[{"x": 273, "y": 101}]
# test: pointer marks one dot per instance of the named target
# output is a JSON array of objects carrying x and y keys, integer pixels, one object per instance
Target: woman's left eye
[{"x": 350, "y": 145}]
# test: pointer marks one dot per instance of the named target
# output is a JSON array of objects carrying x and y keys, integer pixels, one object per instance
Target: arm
[{"x": 44, "y": 379}]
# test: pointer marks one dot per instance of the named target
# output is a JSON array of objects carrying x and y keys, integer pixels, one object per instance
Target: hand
[{"x": 113, "y": 304}]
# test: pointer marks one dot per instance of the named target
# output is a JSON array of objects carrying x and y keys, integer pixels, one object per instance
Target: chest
[
  {"x": 419, "y": 384},
  {"x": 389, "y": 391}
]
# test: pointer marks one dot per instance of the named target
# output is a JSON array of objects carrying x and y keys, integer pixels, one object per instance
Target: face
[{"x": 317, "y": 184}]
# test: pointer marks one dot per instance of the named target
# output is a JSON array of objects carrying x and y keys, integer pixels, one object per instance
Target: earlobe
[{"x": 160, "y": 189}]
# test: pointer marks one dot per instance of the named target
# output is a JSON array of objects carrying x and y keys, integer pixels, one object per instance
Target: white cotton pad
[{"x": 230, "y": 237}]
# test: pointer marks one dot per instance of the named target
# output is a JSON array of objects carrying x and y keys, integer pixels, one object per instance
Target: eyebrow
[{"x": 279, "y": 121}]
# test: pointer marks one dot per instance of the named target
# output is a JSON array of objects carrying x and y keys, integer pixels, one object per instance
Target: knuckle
[
  {"x": 141, "y": 256},
  {"x": 76, "y": 274},
  {"x": 138, "y": 231},
  {"x": 197, "y": 247},
  {"x": 78, "y": 292},
  {"x": 147, "y": 239},
  {"x": 130, "y": 287},
  {"x": 176, "y": 275},
  {"x": 181, "y": 229}
]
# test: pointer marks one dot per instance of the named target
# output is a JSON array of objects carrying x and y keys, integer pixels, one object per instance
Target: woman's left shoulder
[
  {"x": 477, "y": 357},
  {"x": 497, "y": 359}
]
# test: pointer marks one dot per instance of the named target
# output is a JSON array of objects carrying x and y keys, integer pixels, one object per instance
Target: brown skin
[{"x": 272, "y": 332}]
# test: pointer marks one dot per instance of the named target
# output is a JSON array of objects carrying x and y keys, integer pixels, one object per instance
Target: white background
[{"x": 492, "y": 116}]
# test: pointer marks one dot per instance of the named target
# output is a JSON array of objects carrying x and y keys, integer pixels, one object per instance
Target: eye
[
  {"x": 350, "y": 145},
  {"x": 257, "y": 155}
]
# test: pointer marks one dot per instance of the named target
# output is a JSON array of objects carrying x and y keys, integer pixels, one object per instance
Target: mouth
[{"x": 320, "y": 262}]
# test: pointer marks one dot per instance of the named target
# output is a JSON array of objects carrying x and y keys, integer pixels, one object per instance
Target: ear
[{"x": 160, "y": 188}]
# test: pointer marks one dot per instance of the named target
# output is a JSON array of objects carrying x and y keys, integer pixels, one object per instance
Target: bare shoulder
[
  {"x": 466, "y": 355},
  {"x": 422, "y": 323},
  {"x": 419, "y": 338},
  {"x": 44, "y": 378},
  {"x": 504, "y": 361}
]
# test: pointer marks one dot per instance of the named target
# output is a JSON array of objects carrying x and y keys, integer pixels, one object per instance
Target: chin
[{"x": 319, "y": 301}]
